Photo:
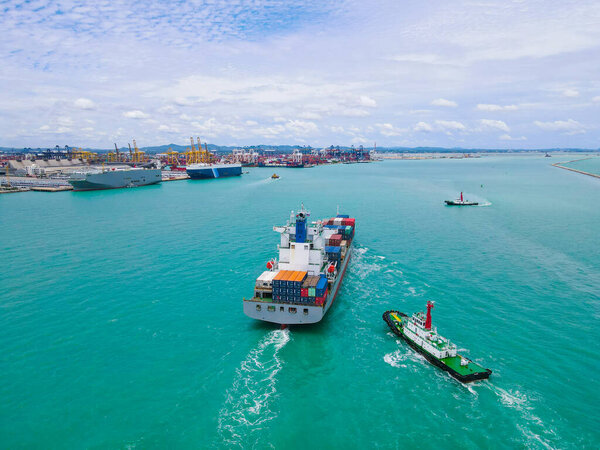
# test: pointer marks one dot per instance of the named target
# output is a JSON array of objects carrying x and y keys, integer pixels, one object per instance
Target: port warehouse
[{"x": 298, "y": 287}]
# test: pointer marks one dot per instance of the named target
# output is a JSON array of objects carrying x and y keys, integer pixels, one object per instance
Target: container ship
[
  {"x": 115, "y": 178},
  {"x": 301, "y": 286},
  {"x": 205, "y": 170},
  {"x": 420, "y": 335}
]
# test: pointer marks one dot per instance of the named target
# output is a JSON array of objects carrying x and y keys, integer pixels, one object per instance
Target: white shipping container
[{"x": 265, "y": 280}]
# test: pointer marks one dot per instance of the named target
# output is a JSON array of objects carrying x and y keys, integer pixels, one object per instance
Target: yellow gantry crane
[
  {"x": 84, "y": 155},
  {"x": 138, "y": 156},
  {"x": 172, "y": 157}
]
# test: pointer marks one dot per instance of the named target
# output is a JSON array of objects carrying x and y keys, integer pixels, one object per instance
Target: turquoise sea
[
  {"x": 121, "y": 321},
  {"x": 585, "y": 164}
]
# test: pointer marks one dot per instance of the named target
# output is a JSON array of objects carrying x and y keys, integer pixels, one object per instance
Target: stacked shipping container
[{"x": 287, "y": 286}]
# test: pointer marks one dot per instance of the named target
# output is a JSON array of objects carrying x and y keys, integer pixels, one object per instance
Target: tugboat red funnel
[{"x": 429, "y": 307}]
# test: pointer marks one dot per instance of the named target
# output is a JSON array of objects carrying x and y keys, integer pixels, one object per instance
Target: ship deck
[{"x": 469, "y": 369}]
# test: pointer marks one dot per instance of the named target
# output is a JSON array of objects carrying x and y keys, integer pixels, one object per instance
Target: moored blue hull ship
[{"x": 206, "y": 171}]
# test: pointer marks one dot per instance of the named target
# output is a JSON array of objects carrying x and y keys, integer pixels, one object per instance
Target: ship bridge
[{"x": 302, "y": 246}]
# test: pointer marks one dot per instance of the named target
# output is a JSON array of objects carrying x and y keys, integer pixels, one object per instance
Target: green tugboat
[{"x": 420, "y": 335}]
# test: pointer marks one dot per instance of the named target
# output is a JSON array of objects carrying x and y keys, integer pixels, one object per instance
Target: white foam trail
[
  {"x": 518, "y": 401},
  {"x": 246, "y": 410},
  {"x": 395, "y": 359},
  {"x": 401, "y": 357}
]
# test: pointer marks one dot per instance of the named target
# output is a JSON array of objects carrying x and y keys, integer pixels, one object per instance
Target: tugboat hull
[{"x": 459, "y": 203}]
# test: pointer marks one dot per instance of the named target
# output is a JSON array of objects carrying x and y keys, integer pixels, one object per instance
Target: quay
[
  {"x": 51, "y": 188},
  {"x": 576, "y": 170}
]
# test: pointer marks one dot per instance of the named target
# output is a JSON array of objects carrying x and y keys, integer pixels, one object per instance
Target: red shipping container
[
  {"x": 336, "y": 237},
  {"x": 349, "y": 222},
  {"x": 303, "y": 292}
]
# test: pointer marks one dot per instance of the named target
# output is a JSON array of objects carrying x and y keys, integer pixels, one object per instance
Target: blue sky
[{"x": 484, "y": 74}]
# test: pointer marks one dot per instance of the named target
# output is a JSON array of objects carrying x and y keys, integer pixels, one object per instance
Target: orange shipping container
[{"x": 280, "y": 275}]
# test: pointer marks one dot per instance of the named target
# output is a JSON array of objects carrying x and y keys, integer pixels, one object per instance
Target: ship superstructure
[
  {"x": 419, "y": 333},
  {"x": 301, "y": 285}
]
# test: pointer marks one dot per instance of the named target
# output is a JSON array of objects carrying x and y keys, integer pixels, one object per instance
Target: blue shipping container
[{"x": 322, "y": 284}]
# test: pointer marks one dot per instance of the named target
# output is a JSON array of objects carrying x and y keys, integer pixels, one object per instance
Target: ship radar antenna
[{"x": 337, "y": 211}]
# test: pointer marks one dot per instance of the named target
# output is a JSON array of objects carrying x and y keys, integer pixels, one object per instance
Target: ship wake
[
  {"x": 247, "y": 409},
  {"x": 534, "y": 430}
]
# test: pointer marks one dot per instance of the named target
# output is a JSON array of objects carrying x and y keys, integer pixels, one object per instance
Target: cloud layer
[{"x": 265, "y": 71}]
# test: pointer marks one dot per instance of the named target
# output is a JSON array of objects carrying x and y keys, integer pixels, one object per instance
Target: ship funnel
[{"x": 428, "y": 318}]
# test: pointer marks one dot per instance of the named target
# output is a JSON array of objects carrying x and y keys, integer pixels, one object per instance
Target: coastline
[{"x": 560, "y": 166}]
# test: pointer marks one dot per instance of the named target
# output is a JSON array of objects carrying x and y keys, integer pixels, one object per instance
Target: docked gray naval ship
[{"x": 114, "y": 178}]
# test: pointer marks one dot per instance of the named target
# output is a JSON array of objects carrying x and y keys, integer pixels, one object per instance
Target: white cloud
[
  {"x": 387, "y": 129},
  {"x": 251, "y": 122},
  {"x": 492, "y": 107},
  {"x": 183, "y": 101},
  {"x": 444, "y": 102},
  {"x": 569, "y": 126},
  {"x": 421, "y": 58},
  {"x": 168, "y": 109},
  {"x": 168, "y": 128},
  {"x": 596, "y": 99},
  {"x": 135, "y": 114},
  {"x": 301, "y": 127},
  {"x": 367, "y": 101},
  {"x": 495, "y": 124},
  {"x": 84, "y": 103},
  {"x": 352, "y": 112},
  {"x": 507, "y": 137},
  {"x": 571, "y": 93},
  {"x": 44, "y": 128},
  {"x": 359, "y": 140},
  {"x": 452, "y": 125},
  {"x": 423, "y": 126},
  {"x": 309, "y": 115}
]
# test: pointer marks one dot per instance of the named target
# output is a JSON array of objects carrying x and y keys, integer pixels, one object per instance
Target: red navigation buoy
[
  {"x": 270, "y": 265},
  {"x": 330, "y": 269}
]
